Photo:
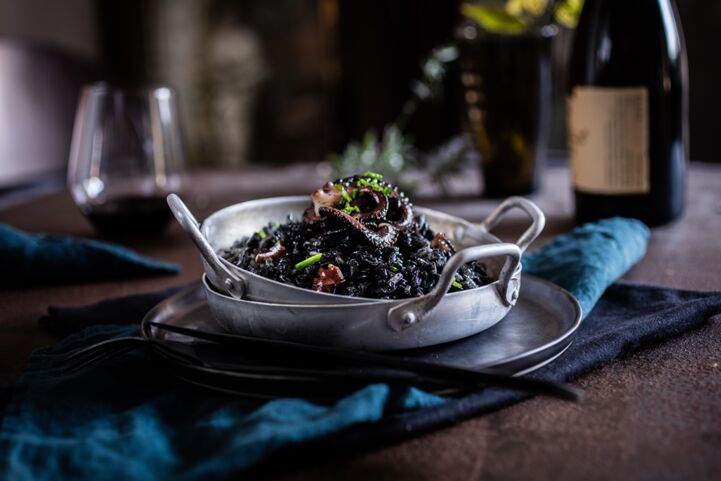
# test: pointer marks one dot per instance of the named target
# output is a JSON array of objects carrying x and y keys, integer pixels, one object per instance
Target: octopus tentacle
[
  {"x": 385, "y": 235},
  {"x": 310, "y": 216},
  {"x": 370, "y": 206},
  {"x": 400, "y": 212},
  {"x": 381, "y": 204},
  {"x": 278, "y": 250},
  {"x": 440, "y": 241}
]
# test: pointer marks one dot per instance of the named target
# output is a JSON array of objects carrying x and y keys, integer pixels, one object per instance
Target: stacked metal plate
[{"x": 195, "y": 347}]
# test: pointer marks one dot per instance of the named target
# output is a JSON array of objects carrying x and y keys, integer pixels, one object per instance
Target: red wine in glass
[
  {"x": 130, "y": 216},
  {"x": 126, "y": 156}
]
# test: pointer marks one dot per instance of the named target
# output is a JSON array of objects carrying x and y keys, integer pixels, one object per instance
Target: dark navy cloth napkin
[
  {"x": 40, "y": 259},
  {"x": 129, "y": 419}
]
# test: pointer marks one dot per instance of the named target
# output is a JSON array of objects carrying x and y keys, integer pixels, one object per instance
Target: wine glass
[{"x": 126, "y": 156}]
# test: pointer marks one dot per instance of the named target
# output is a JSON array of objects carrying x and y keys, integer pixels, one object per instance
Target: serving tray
[{"x": 536, "y": 331}]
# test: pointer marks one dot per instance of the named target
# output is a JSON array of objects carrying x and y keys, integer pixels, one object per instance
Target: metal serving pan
[
  {"x": 249, "y": 304},
  {"x": 227, "y": 225}
]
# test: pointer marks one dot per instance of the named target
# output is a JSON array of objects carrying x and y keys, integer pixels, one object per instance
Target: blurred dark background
[
  {"x": 295, "y": 78},
  {"x": 271, "y": 82}
]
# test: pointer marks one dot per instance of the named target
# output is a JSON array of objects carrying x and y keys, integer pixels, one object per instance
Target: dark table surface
[{"x": 654, "y": 415}]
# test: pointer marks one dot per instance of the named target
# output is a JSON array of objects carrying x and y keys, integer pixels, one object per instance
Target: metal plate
[{"x": 536, "y": 331}]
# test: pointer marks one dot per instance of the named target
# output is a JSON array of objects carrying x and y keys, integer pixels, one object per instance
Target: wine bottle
[{"x": 627, "y": 111}]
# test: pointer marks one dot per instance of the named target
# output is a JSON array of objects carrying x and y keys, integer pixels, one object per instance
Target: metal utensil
[
  {"x": 261, "y": 377},
  {"x": 101, "y": 351},
  {"x": 425, "y": 372}
]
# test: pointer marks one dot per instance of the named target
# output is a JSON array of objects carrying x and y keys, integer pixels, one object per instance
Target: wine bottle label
[{"x": 608, "y": 140}]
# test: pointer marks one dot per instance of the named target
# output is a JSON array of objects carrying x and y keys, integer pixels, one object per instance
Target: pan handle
[
  {"x": 413, "y": 311},
  {"x": 221, "y": 278},
  {"x": 538, "y": 220}
]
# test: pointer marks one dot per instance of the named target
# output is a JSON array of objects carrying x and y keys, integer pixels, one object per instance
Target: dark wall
[
  {"x": 382, "y": 42},
  {"x": 701, "y": 23},
  {"x": 381, "y": 46}
]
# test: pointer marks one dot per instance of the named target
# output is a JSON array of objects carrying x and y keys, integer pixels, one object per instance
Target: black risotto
[
  {"x": 325, "y": 253},
  {"x": 409, "y": 268}
]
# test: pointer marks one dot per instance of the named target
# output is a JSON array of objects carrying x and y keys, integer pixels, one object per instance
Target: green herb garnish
[
  {"x": 457, "y": 285},
  {"x": 345, "y": 196},
  {"x": 349, "y": 209},
  {"x": 309, "y": 261},
  {"x": 261, "y": 233},
  {"x": 373, "y": 175},
  {"x": 394, "y": 269},
  {"x": 373, "y": 184}
]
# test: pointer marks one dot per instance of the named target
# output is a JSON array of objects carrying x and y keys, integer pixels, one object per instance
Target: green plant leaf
[
  {"x": 568, "y": 12},
  {"x": 531, "y": 8},
  {"x": 493, "y": 18}
]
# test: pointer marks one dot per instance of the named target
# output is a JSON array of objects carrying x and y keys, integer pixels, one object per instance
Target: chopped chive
[
  {"x": 394, "y": 269},
  {"x": 373, "y": 184},
  {"x": 261, "y": 233},
  {"x": 345, "y": 195},
  {"x": 373, "y": 175},
  {"x": 349, "y": 209},
  {"x": 457, "y": 285},
  {"x": 309, "y": 261}
]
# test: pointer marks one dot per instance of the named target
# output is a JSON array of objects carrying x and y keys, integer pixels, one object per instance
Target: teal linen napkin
[
  {"x": 129, "y": 419},
  {"x": 40, "y": 259},
  {"x": 591, "y": 257}
]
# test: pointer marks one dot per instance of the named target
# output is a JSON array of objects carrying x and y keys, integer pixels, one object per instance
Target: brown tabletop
[{"x": 655, "y": 415}]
